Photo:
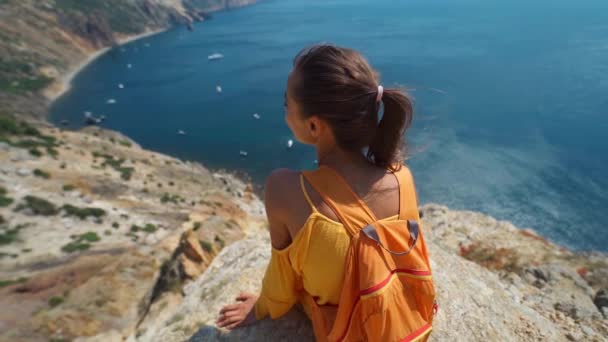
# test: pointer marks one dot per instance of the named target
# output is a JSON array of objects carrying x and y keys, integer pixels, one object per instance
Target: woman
[{"x": 333, "y": 102}]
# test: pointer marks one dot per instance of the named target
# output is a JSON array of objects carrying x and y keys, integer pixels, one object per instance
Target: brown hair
[{"x": 339, "y": 86}]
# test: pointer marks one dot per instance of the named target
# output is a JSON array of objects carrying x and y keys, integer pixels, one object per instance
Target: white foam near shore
[{"x": 64, "y": 84}]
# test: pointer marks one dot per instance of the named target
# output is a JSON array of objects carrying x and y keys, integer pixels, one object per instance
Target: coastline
[{"x": 64, "y": 83}]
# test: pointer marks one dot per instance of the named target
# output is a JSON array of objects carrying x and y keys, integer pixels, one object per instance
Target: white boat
[
  {"x": 289, "y": 143},
  {"x": 180, "y": 132},
  {"x": 243, "y": 153},
  {"x": 215, "y": 56},
  {"x": 89, "y": 119},
  {"x": 218, "y": 89},
  {"x": 111, "y": 101},
  {"x": 121, "y": 86},
  {"x": 129, "y": 66},
  {"x": 256, "y": 116}
]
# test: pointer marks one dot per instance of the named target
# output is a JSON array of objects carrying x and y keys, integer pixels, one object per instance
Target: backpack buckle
[{"x": 412, "y": 225}]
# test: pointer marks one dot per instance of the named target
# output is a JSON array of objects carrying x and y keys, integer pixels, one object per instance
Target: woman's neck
[{"x": 341, "y": 160}]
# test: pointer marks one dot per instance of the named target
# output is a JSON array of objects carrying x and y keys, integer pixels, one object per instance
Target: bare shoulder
[
  {"x": 278, "y": 199},
  {"x": 279, "y": 185}
]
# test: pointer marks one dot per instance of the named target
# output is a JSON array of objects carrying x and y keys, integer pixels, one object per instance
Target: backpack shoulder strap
[
  {"x": 335, "y": 192},
  {"x": 408, "y": 200}
]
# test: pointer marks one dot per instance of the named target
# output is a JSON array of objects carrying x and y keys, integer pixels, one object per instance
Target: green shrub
[
  {"x": 68, "y": 187},
  {"x": 89, "y": 237},
  {"x": 207, "y": 246},
  {"x": 149, "y": 228},
  {"x": 75, "y": 246},
  {"x": 10, "y": 126},
  {"x": 107, "y": 232},
  {"x": 196, "y": 226},
  {"x": 116, "y": 164},
  {"x": 5, "y": 201},
  {"x": 52, "y": 152},
  {"x": 166, "y": 197},
  {"x": 9, "y": 236},
  {"x": 125, "y": 143},
  {"x": 35, "y": 152},
  {"x": 54, "y": 301},
  {"x": 38, "y": 206},
  {"x": 4, "y": 283},
  {"x": 42, "y": 174},
  {"x": 81, "y": 242},
  {"x": 83, "y": 213},
  {"x": 115, "y": 225}
]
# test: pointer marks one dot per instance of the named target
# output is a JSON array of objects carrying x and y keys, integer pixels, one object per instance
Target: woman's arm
[{"x": 243, "y": 311}]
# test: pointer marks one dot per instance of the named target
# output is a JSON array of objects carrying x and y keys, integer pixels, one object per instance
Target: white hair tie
[{"x": 380, "y": 91}]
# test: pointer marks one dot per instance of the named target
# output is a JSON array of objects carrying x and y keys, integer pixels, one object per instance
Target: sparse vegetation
[
  {"x": 35, "y": 152},
  {"x": 166, "y": 197},
  {"x": 125, "y": 143},
  {"x": 38, "y": 206},
  {"x": 9, "y": 236},
  {"x": 68, "y": 187},
  {"x": 207, "y": 246},
  {"x": 83, "y": 213},
  {"x": 42, "y": 174},
  {"x": 54, "y": 301},
  {"x": 196, "y": 226},
  {"x": 24, "y": 84},
  {"x": 124, "y": 17},
  {"x": 5, "y": 201},
  {"x": 4, "y": 283},
  {"x": 116, "y": 164},
  {"x": 148, "y": 228},
  {"x": 115, "y": 225},
  {"x": 23, "y": 135},
  {"x": 81, "y": 242}
]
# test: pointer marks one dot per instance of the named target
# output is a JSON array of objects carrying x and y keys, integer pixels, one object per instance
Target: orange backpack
[{"x": 388, "y": 292}]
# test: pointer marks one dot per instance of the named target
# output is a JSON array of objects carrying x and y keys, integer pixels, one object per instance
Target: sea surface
[{"x": 511, "y": 98}]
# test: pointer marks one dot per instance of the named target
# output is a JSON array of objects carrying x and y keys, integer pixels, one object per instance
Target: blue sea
[{"x": 511, "y": 98}]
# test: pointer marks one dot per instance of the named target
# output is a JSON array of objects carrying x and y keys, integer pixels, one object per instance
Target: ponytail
[
  {"x": 339, "y": 86},
  {"x": 386, "y": 147}
]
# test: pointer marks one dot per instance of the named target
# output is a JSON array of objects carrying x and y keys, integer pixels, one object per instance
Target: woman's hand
[{"x": 238, "y": 314}]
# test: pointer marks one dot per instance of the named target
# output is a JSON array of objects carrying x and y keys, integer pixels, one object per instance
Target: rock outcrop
[
  {"x": 98, "y": 235},
  {"x": 478, "y": 300}
]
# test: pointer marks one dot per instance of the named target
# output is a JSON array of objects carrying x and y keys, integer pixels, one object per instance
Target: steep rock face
[{"x": 90, "y": 231}]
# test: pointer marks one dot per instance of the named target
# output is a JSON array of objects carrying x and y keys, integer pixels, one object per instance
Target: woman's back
[
  {"x": 334, "y": 102},
  {"x": 317, "y": 244}
]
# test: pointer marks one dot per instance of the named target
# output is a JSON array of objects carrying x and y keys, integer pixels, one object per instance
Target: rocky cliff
[
  {"x": 101, "y": 240},
  {"x": 43, "y": 40},
  {"x": 92, "y": 230},
  {"x": 495, "y": 282}
]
